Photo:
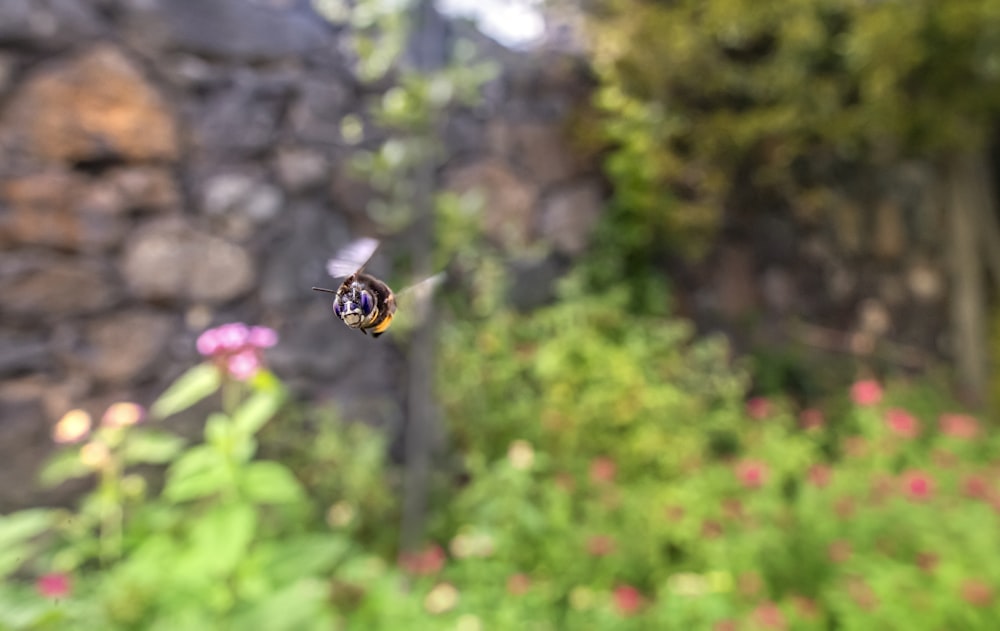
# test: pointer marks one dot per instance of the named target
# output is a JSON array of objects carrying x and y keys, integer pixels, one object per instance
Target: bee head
[{"x": 354, "y": 307}]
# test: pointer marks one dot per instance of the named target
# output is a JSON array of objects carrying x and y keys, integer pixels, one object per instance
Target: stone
[
  {"x": 570, "y": 215},
  {"x": 55, "y": 287},
  {"x": 241, "y": 194},
  {"x": 890, "y": 233},
  {"x": 170, "y": 260},
  {"x": 231, "y": 29},
  {"x": 301, "y": 169},
  {"x": 145, "y": 188},
  {"x": 541, "y": 150},
  {"x": 92, "y": 107},
  {"x": 846, "y": 217},
  {"x": 124, "y": 345},
  {"x": 350, "y": 194},
  {"x": 735, "y": 286},
  {"x": 925, "y": 282},
  {"x": 777, "y": 288},
  {"x": 52, "y": 209},
  {"x": 509, "y": 203},
  {"x": 873, "y": 318},
  {"x": 319, "y": 110},
  {"x": 23, "y": 354},
  {"x": 46, "y": 24},
  {"x": 239, "y": 122}
]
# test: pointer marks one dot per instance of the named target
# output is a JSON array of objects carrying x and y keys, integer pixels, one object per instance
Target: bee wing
[
  {"x": 413, "y": 304},
  {"x": 352, "y": 257}
]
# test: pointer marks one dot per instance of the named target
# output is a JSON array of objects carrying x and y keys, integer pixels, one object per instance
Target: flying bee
[{"x": 364, "y": 302}]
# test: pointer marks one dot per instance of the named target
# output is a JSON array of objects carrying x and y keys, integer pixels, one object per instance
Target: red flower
[
  {"x": 428, "y": 561},
  {"x": 602, "y": 470},
  {"x": 976, "y": 487},
  {"x": 959, "y": 426},
  {"x": 751, "y": 473},
  {"x": 769, "y": 616},
  {"x": 600, "y": 545},
  {"x": 918, "y": 485},
  {"x": 758, "y": 408},
  {"x": 628, "y": 600},
  {"x": 902, "y": 422},
  {"x": 866, "y": 392},
  {"x": 518, "y": 584},
  {"x": 819, "y": 475},
  {"x": 811, "y": 418},
  {"x": 839, "y": 551},
  {"x": 53, "y": 585},
  {"x": 977, "y": 593}
]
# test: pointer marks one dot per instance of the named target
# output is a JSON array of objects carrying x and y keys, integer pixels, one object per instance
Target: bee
[{"x": 363, "y": 301}]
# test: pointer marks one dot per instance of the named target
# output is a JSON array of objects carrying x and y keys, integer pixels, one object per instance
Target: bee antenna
[{"x": 329, "y": 291}]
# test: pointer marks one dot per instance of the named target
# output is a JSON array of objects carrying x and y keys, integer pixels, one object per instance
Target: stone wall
[
  {"x": 173, "y": 164},
  {"x": 167, "y": 165}
]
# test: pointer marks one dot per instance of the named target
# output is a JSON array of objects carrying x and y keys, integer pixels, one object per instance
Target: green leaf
[
  {"x": 289, "y": 560},
  {"x": 190, "y": 388},
  {"x": 257, "y": 410},
  {"x": 16, "y": 532},
  {"x": 220, "y": 538},
  {"x": 268, "y": 482},
  {"x": 300, "y": 606},
  {"x": 201, "y": 471},
  {"x": 152, "y": 447},
  {"x": 65, "y": 465}
]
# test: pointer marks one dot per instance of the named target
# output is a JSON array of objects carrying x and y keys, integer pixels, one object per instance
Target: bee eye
[
  {"x": 336, "y": 308},
  {"x": 366, "y": 303}
]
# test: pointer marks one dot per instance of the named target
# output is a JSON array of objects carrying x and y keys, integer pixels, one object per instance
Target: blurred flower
[
  {"x": 465, "y": 545},
  {"x": 862, "y": 593},
  {"x": 53, "y": 585},
  {"x": 882, "y": 486},
  {"x": 236, "y": 347},
  {"x": 811, "y": 418},
  {"x": 725, "y": 625},
  {"x": 687, "y": 584},
  {"x": 758, "y": 408},
  {"x": 468, "y": 622},
  {"x": 602, "y": 470},
  {"x": 752, "y": 474},
  {"x": 733, "y": 509},
  {"x": 628, "y": 600},
  {"x": 674, "y": 512},
  {"x": 839, "y": 551},
  {"x": 769, "y": 616},
  {"x": 95, "y": 455},
  {"x": 428, "y": 561},
  {"x": 944, "y": 458},
  {"x": 340, "y": 514},
  {"x": 442, "y": 597},
  {"x": 855, "y": 446},
  {"x": 927, "y": 561},
  {"x": 977, "y": 593},
  {"x": 918, "y": 485},
  {"x": 976, "y": 487},
  {"x": 518, "y": 584},
  {"x": 600, "y": 545},
  {"x": 565, "y": 482},
  {"x": 72, "y": 427},
  {"x": 959, "y": 426},
  {"x": 902, "y": 422},
  {"x": 844, "y": 507},
  {"x": 750, "y": 583},
  {"x": 806, "y": 607},
  {"x": 819, "y": 475},
  {"x": 710, "y": 529},
  {"x": 866, "y": 392},
  {"x": 123, "y": 414},
  {"x": 521, "y": 455},
  {"x": 581, "y": 598}
]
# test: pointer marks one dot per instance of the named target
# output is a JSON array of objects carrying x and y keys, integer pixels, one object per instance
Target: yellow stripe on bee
[{"x": 383, "y": 325}]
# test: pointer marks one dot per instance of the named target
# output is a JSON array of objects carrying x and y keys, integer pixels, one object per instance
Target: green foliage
[{"x": 717, "y": 104}]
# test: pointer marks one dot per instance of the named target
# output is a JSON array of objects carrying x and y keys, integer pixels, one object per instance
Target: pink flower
[
  {"x": 959, "y": 426},
  {"x": 902, "y": 422},
  {"x": 53, "y": 585},
  {"x": 977, "y": 593},
  {"x": 758, "y": 408},
  {"x": 866, "y": 392},
  {"x": 600, "y": 545},
  {"x": 819, "y": 475},
  {"x": 918, "y": 485},
  {"x": 769, "y": 616},
  {"x": 976, "y": 487},
  {"x": 628, "y": 600},
  {"x": 602, "y": 470},
  {"x": 428, "y": 561},
  {"x": 236, "y": 348},
  {"x": 811, "y": 418},
  {"x": 123, "y": 414},
  {"x": 518, "y": 584},
  {"x": 752, "y": 474},
  {"x": 73, "y": 427}
]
